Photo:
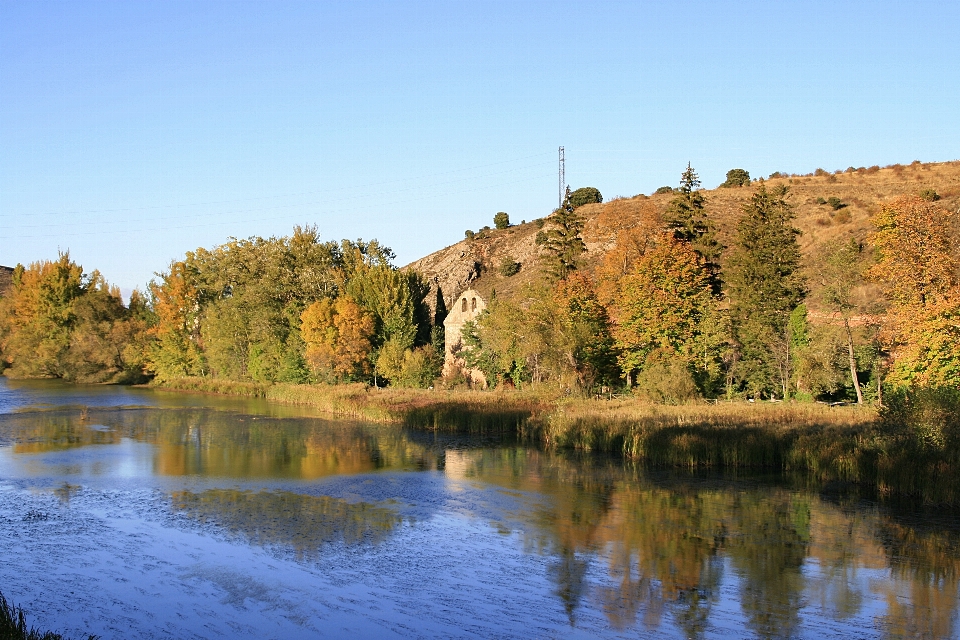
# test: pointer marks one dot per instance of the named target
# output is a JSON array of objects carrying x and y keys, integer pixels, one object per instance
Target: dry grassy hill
[{"x": 476, "y": 262}]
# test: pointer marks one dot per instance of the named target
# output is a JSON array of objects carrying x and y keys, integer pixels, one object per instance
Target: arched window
[
  {"x": 473, "y": 305},
  {"x": 463, "y": 305}
]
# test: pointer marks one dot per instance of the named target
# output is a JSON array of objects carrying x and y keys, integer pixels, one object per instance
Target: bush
[
  {"x": 540, "y": 238},
  {"x": 777, "y": 174},
  {"x": 737, "y": 178},
  {"x": 928, "y": 419},
  {"x": 468, "y": 234},
  {"x": 666, "y": 382},
  {"x": 509, "y": 267},
  {"x": 819, "y": 172},
  {"x": 821, "y": 200},
  {"x": 663, "y": 190},
  {"x": 929, "y": 195},
  {"x": 835, "y": 203},
  {"x": 501, "y": 220},
  {"x": 585, "y": 195}
]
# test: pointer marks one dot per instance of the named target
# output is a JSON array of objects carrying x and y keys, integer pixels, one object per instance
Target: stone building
[{"x": 467, "y": 306}]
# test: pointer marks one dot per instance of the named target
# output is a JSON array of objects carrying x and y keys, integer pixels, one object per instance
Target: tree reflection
[
  {"x": 667, "y": 542},
  {"x": 303, "y": 523}
]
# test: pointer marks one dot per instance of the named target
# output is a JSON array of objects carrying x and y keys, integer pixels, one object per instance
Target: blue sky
[{"x": 132, "y": 132}]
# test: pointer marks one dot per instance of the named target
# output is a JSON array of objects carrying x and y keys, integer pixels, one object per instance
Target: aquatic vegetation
[{"x": 13, "y": 625}]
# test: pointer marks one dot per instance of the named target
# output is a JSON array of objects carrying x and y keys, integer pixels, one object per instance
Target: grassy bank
[{"x": 912, "y": 449}]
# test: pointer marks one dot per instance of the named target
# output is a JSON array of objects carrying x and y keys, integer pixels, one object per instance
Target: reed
[{"x": 13, "y": 625}]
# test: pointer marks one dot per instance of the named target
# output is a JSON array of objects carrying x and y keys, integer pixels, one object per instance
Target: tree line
[
  {"x": 668, "y": 311},
  {"x": 671, "y": 313}
]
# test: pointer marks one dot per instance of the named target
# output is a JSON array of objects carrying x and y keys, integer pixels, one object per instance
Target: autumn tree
[
  {"x": 59, "y": 322},
  {"x": 662, "y": 304},
  {"x": 338, "y": 336},
  {"x": 918, "y": 260},
  {"x": 764, "y": 286}
]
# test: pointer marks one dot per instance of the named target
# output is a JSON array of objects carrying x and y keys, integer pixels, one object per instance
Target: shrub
[
  {"x": 873, "y": 169},
  {"x": 663, "y": 190},
  {"x": 851, "y": 169},
  {"x": 777, "y": 174},
  {"x": 842, "y": 217},
  {"x": 835, "y": 203},
  {"x": 928, "y": 419},
  {"x": 819, "y": 172},
  {"x": 929, "y": 195},
  {"x": 468, "y": 234},
  {"x": 585, "y": 195},
  {"x": 539, "y": 222},
  {"x": 821, "y": 200},
  {"x": 666, "y": 382},
  {"x": 501, "y": 220},
  {"x": 509, "y": 267},
  {"x": 540, "y": 238},
  {"x": 737, "y": 178}
]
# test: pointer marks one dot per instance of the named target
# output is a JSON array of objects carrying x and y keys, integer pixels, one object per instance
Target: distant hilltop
[{"x": 6, "y": 278}]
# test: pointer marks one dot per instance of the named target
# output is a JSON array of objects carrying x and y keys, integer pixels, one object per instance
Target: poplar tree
[{"x": 765, "y": 285}]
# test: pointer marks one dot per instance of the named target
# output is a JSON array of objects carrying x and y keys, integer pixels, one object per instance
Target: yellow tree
[
  {"x": 338, "y": 335},
  {"x": 662, "y": 302},
  {"x": 918, "y": 261}
]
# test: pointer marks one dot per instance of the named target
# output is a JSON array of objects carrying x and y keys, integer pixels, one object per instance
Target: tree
[
  {"x": 585, "y": 195},
  {"x": 562, "y": 242},
  {"x": 918, "y": 246},
  {"x": 585, "y": 330},
  {"x": 737, "y": 178},
  {"x": 686, "y": 217},
  {"x": 838, "y": 268},
  {"x": 501, "y": 220},
  {"x": 764, "y": 287},
  {"x": 338, "y": 338},
  {"x": 661, "y": 305}
]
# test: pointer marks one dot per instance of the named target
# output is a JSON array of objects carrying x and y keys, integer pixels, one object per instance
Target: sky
[{"x": 133, "y": 132}]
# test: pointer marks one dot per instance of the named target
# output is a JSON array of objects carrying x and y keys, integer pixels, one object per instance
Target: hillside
[
  {"x": 6, "y": 278},
  {"x": 476, "y": 262}
]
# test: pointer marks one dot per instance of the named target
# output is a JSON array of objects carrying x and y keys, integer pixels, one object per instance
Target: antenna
[{"x": 563, "y": 180}]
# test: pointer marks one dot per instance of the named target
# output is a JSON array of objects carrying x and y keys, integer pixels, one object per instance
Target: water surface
[{"x": 136, "y": 514}]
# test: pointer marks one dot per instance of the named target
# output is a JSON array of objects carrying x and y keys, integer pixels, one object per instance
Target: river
[{"x": 132, "y": 513}]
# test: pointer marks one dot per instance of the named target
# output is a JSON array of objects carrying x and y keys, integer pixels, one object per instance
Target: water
[{"x": 137, "y": 514}]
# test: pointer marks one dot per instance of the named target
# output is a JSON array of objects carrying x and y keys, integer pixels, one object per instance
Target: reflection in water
[
  {"x": 666, "y": 543},
  {"x": 643, "y": 548},
  {"x": 304, "y": 523}
]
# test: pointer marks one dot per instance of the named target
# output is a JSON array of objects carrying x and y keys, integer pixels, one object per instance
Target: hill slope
[{"x": 476, "y": 262}]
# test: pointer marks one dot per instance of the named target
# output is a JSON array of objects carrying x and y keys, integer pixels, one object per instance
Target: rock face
[
  {"x": 464, "y": 308},
  {"x": 6, "y": 279}
]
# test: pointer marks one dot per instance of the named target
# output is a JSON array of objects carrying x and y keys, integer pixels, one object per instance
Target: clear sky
[{"x": 132, "y": 132}]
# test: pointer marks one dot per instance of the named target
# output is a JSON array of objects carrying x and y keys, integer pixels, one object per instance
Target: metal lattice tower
[{"x": 563, "y": 180}]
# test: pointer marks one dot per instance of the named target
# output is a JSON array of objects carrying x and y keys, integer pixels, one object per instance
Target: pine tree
[
  {"x": 686, "y": 217},
  {"x": 765, "y": 286},
  {"x": 562, "y": 242}
]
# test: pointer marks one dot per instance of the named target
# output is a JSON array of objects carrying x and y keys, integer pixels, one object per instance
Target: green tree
[
  {"x": 562, "y": 242},
  {"x": 585, "y": 195},
  {"x": 764, "y": 285},
  {"x": 501, "y": 220},
  {"x": 737, "y": 178},
  {"x": 686, "y": 217}
]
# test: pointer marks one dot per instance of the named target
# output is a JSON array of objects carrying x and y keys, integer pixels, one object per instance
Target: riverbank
[{"x": 896, "y": 454}]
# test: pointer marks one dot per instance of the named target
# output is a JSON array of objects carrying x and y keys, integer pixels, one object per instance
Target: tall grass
[{"x": 13, "y": 625}]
